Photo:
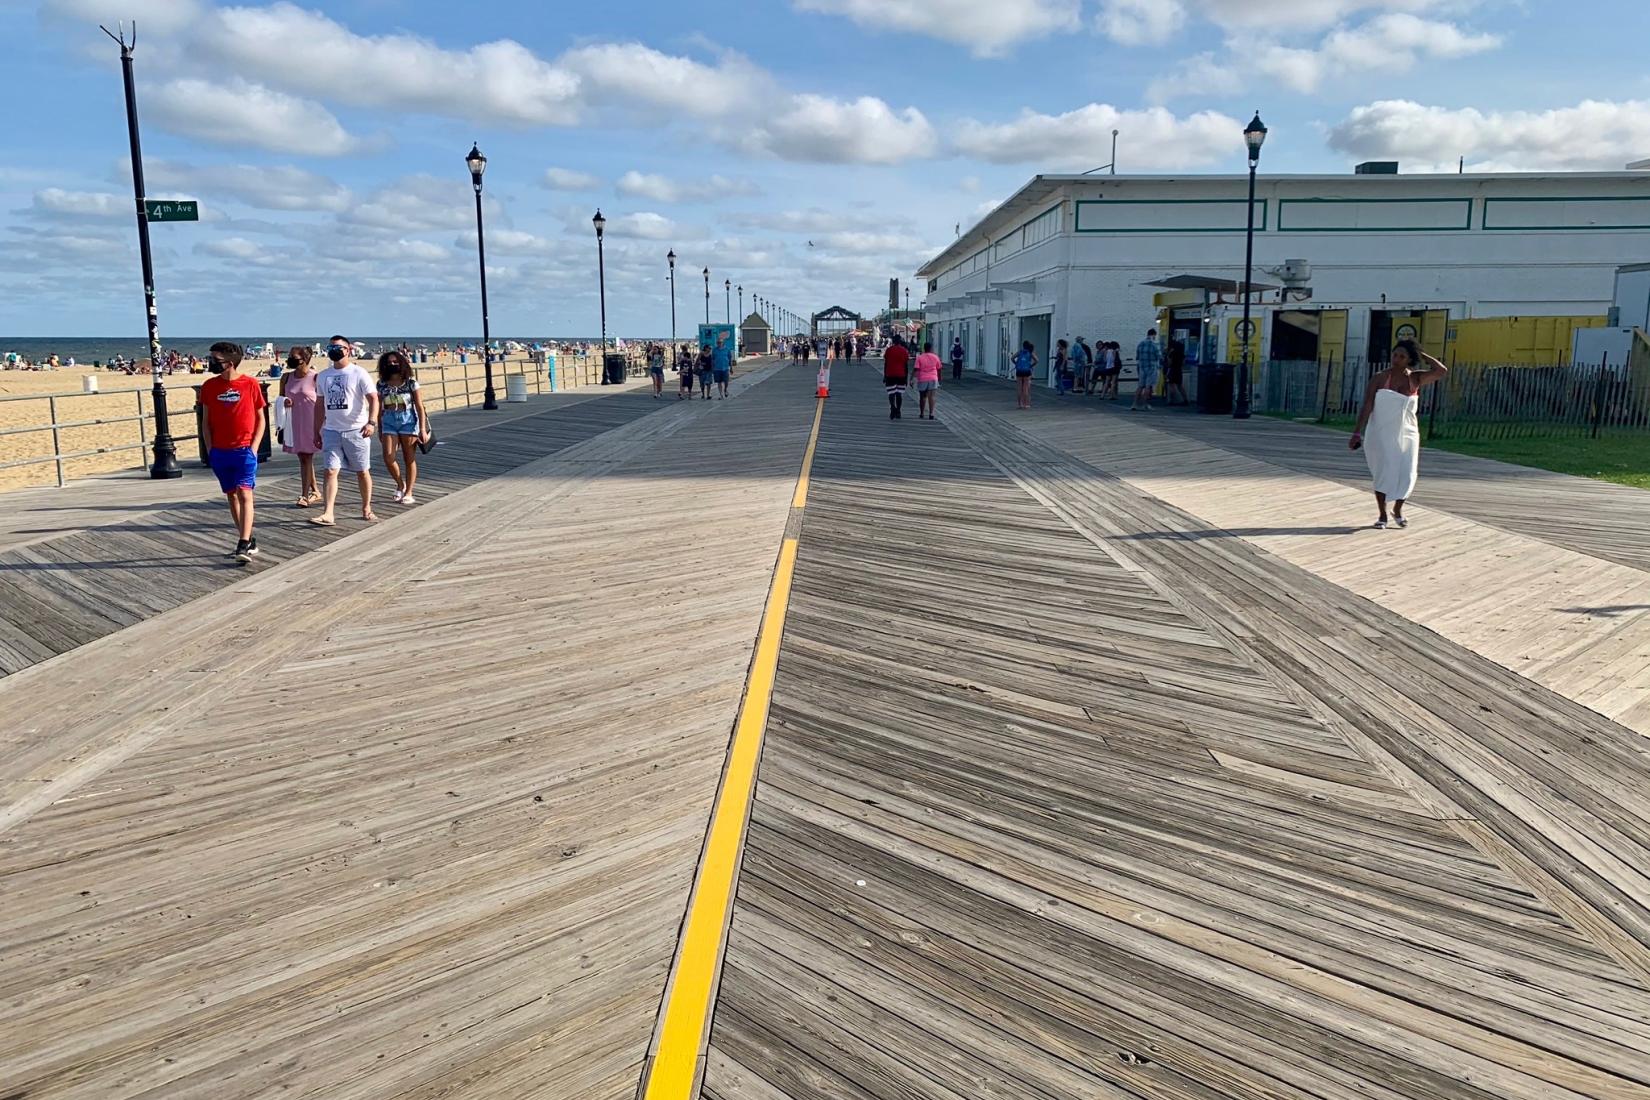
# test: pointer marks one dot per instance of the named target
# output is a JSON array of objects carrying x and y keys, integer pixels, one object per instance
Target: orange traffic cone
[{"x": 823, "y": 388}]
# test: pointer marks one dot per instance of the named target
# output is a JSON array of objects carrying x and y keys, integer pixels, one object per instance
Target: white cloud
[
  {"x": 644, "y": 225},
  {"x": 1081, "y": 139},
  {"x": 867, "y": 243},
  {"x": 1391, "y": 43},
  {"x": 154, "y": 16},
  {"x": 668, "y": 189},
  {"x": 419, "y": 202},
  {"x": 566, "y": 179},
  {"x": 500, "y": 81},
  {"x": 1141, "y": 22},
  {"x": 413, "y": 250},
  {"x": 1306, "y": 15},
  {"x": 86, "y": 204},
  {"x": 267, "y": 187},
  {"x": 814, "y": 220},
  {"x": 1591, "y": 135},
  {"x": 507, "y": 242},
  {"x": 861, "y": 131},
  {"x": 987, "y": 27},
  {"x": 237, "y": 112},
  {"x": 630, "y": 73},
  {"x": 231, "y": 248}
]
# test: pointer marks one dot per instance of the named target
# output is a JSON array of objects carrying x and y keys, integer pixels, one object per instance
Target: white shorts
[{"x": 349, "y": 450}]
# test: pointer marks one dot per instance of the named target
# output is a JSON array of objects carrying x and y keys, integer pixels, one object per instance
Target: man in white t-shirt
[{"x": 346, "y": 408}]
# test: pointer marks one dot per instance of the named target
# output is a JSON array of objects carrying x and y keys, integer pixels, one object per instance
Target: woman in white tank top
[{"x": 1393, "y": 443}]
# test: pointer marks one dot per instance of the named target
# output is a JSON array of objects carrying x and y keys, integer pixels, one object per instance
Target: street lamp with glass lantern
[
  {"x": 1254, "y": 136},
  {"x": 477, "y": 163},
  {"x": 740, "y": 290},
  {"x": 707, "y": 295},
  {"x": 601, "y": 286},
  {"x": 670, "y": 258}
]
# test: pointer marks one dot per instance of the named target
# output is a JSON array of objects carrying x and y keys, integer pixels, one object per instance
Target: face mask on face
[{"x": 336, "y": 353}]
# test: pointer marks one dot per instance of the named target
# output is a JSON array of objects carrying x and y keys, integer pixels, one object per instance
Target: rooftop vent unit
[{"x": 1376, "y": 168}]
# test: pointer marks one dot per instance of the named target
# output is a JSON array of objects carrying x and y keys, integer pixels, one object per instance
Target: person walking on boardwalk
[
  {"x": 721, "y": 364},
  {"x": 705, "y": 370},
  {"x": 1174, "y": 373},
  {"x": 232, "y": 429},
  {"x": 402, "y": 421},
  {"x": 928, "y": 382},
  {"x": 1063, "y": 375},
  {"x": 1025, "y": 362},
  {"x": 895, "y": 375},
  {"x": 298, "y": 398},
  {"x": 344, "y": 419},
  {"x": 1148, "y": 363},
  {"x": 1082, "y": 364},
  {"x": 656, "y": 369},
  {"x": 684, "y": 372},
  {"x": 958, "y": 354},
  {"x": 1393, "y": 444}
]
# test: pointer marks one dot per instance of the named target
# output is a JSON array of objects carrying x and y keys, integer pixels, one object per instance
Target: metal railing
[
  {"x": 442, "y": 393},
  {"x": 57, "y": 427},
  {"x": 1474, "y": 400}
]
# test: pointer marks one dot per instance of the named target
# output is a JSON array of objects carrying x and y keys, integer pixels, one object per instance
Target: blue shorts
[
  {"x": 237, "y": 468},
  {"x": 398, "y": 423},
  {"x": 721, "y": 376}
]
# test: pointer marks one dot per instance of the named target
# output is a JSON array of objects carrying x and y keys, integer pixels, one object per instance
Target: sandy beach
[{"x": 120, "y": 396}]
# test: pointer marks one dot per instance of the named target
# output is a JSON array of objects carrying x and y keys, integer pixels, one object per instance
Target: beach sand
[{"x": 443, "y": 386}]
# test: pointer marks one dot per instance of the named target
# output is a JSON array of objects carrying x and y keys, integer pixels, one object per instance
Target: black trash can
[
  {"x": 1214, "y": 388},
  {"x": 613, "y": 369}
]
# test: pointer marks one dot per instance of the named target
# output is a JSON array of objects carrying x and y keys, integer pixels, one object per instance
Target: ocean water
[{"x": 100, "y": 349}]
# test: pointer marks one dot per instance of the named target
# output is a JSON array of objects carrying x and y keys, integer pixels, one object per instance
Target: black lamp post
[
  {"x": 670, "y": 258},
  {"x": 165, "y": 465},
  {"x": 478, "y": 164},
  {"x": 727, "y": 301},
  {"x": 1254, "y": 135},
  {"x": 601, "y": 286},
  {"x": 707, "y": 295},
  {"x": 741, "y": 292}
]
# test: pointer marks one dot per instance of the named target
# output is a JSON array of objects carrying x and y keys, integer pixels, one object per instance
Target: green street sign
[{"x": 172, "y": 210}]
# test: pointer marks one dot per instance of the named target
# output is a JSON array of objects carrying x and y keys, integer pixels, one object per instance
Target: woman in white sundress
[{"x": 1393, "y": 443}]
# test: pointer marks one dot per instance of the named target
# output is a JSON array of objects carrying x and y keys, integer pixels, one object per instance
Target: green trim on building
[
  {"x": 1484, "y": 222},
  {"x": 1283, "y": 227},
  {"x": 1077, "y": 217}
]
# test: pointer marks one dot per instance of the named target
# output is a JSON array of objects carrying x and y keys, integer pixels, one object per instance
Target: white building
[{"x": 1384, "y": 255}]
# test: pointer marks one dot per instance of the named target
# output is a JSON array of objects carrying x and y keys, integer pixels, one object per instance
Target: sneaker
[
  {"x": 252, "y": 545},
  {"x": 243, "y": 553},
  {"x": 240, "y": 548}
]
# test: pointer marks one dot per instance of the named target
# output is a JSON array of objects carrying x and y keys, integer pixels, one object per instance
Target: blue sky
[{"x": 325, "y": 141}]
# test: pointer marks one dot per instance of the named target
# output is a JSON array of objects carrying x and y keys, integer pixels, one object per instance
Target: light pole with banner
[
  {"x": 1254, "y": 135},
  {"x": 165, "y": 465},
  {"x": 477, "y": 165}
]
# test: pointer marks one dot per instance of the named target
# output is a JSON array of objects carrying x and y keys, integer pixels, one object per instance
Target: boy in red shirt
[
  {"x": 895, "y": 361},
  {"x": 232, "y": 429}
]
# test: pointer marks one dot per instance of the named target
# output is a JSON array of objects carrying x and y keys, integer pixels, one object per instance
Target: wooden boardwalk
[
  {"x": 1060, "y": 799},
  {"x": 78, "y": 564},
  {"x": 1537, "y": 603},
  {"x": 1040, "y": 818},
  {"x": 414, "y": 816}
]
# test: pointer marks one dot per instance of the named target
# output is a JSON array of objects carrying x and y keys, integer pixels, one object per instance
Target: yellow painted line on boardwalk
[
  {"x": 799, "y": 498},
  {"x": 674, "y": 1072}
]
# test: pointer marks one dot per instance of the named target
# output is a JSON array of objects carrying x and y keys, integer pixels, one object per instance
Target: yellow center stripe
[{"x": 674, "y": 1072}]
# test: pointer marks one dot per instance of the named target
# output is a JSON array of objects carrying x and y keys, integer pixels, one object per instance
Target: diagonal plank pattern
[
  {"x": 1031, "y": 825},
  {"x": 420, "y": 813},
  {"x": 62, "y": 591}
]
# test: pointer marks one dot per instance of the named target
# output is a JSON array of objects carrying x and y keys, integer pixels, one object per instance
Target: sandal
[
  {"x": 369, "y": 517},
  {"x": 323, "y": 521}
]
